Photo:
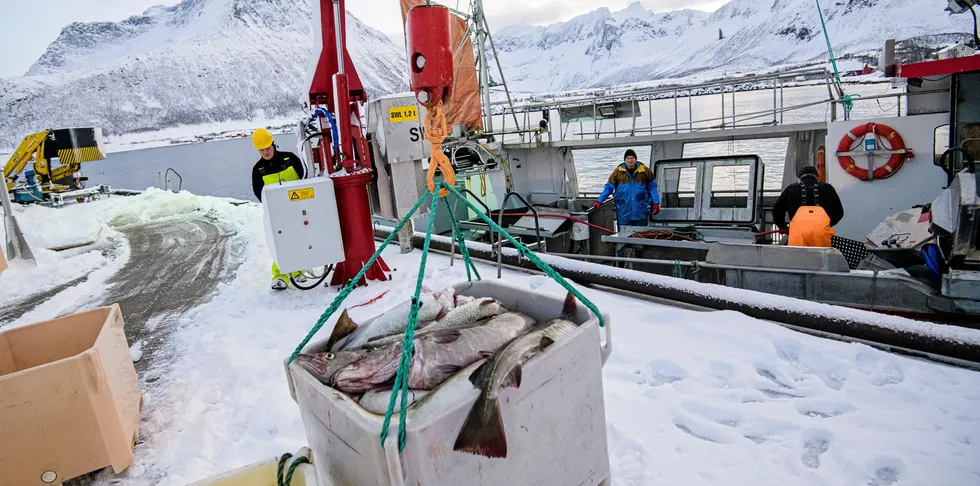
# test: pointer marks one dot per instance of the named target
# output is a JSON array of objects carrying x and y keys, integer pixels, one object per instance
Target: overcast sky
[{"x": 31, "y": 25}]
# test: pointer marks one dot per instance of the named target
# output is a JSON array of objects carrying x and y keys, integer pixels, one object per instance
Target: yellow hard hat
[{"x": 261, "y": 139}]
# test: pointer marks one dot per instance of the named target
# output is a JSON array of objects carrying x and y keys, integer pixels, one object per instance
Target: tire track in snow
[{"x": 174, "y": 266}]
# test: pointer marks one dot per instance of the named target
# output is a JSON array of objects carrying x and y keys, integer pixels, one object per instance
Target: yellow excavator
[{"x": 71, "y": 146}]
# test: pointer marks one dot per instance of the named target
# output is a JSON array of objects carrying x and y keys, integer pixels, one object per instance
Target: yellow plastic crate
[{"x": 264, "y": 474}]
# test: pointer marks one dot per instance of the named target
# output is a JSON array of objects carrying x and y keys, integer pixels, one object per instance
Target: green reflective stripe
[{"x": 285, "y": 176}]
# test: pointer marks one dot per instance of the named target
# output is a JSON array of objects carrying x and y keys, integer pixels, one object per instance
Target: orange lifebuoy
[
  {"x": 821, "y": 164},
  {"x": 878, "y": 131}
]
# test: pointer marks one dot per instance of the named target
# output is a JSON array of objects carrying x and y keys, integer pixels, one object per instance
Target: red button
[{"x": 306, "y": 222}]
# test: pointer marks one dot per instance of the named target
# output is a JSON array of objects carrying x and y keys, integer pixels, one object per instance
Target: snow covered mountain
[
  {"x": 200, "y": 61},
  {"x": 604, "y": 48}
]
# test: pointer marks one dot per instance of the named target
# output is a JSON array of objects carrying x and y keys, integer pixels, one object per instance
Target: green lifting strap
[
  {"x": 408, "y": 343},
  {"x": 528, "y": 254},
  {"x": 349, "y": 287},
  {"x": 461, "y": 241}
]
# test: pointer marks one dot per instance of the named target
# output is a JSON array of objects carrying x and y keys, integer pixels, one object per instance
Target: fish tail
[
  {"x": 570, "y": 307},
  {"x": 344, "y": 327},
  {"x": 483, "y": 435}
]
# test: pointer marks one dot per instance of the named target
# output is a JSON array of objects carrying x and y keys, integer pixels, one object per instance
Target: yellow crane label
[
  {"x": 301, "y": 194},
  {"x": 400, "y": 114}
]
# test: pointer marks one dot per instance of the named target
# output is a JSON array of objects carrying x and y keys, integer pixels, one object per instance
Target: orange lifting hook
[{"x": 435, "y": 133}]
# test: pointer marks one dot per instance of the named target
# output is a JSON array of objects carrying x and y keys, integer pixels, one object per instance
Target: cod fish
[
  {"x": 376, "y": 399},
  {"x": 437, "y": 356},
  {"x": 483, "y": 431},
  {"x": 465, "y": 316},
  {"x": 323, "y": 365},
  {"x": 434, "y": 306}
]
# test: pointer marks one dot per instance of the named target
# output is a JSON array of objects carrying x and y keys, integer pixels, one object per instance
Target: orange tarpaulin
[{"x": 464, "y": 104}]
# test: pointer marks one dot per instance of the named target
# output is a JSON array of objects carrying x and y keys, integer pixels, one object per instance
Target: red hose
[
  {"x": 562, "y": 216},
  {"x": 779, "y": 231}
]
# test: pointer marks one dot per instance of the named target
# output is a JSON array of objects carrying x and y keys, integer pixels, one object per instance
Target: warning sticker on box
[
  {"x": 400, "y": 114},
  {"x": 301, "y": 194}
]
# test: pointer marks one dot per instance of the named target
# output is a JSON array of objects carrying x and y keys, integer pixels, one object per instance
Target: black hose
[
  {"x": 316, "y": 284},
  {"x": 323, "y": 135},
  {"x": 950, "y": 171}
]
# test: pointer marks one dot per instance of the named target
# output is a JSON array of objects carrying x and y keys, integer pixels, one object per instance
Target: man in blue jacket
[{"x": 635, "y": 189}]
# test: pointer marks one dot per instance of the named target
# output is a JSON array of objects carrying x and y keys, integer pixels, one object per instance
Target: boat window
[
  {"x": 730, "y": 186},
  {"x": 966, "y": 115},
  {"x": 679, "y": 185},
  {"x": 942, "y": 142}
]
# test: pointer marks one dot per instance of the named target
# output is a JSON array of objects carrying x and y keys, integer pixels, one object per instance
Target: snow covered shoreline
[{"x": 691, "y": 397}]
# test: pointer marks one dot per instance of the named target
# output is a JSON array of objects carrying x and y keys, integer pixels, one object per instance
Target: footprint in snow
[
  {"x": 536, "y": 282},
  {"x": 661, "y": 372},
  {"x": 721, "y": 374},
  {"x": 815, "y": 443},
  {"x": 788, "y": 350},
  {"x": 761, "y": 430},
  {"x": 823, "y": 408},
  {"x": 764, "y": 372},
  {"x": 627, "y": 455},
  {"x": 888, "y": 375},
  {"x": 700, "y": 432},
  {"x": 719, "y": 416},
  {"x": 777, "y": 394},
  {"x": 866, "y": 360},
  {"x": 886, "y": 471}
]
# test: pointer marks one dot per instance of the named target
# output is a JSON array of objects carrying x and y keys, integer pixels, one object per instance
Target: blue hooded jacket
[{"x": 635, "y": 194}]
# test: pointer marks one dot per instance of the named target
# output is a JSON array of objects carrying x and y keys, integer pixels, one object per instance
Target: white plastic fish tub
[{"x": 555, "y": 422}]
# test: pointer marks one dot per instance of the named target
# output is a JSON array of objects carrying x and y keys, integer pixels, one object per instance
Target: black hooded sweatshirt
[{"x": 808, "y": 192}]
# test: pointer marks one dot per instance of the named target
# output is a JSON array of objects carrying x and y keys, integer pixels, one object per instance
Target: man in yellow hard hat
[{"x": 275, "y": 167}]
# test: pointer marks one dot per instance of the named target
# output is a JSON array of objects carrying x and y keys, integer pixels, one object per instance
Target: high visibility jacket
[
  {"x": 634, "y": 193},
  {"x": 283, "y": 167}
]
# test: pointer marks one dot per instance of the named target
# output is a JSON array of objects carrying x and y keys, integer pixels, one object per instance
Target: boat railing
[
  {"x": 165, "y": 180},
  {"x": 682, "y": 109}
]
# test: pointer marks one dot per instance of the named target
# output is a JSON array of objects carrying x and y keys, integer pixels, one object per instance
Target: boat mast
[{"x": 479, "y": 23}]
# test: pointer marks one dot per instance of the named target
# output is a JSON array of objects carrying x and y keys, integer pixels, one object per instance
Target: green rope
[
  {"x": 677, "y": 269},
  {"x": 349, "y": 287},
  {"x": 288, "y": 480},
  {"x": 408, "y": 343},
  {"x": 292, "y": 469},
  {"x": 461, "y": 241},
  {"x": 530, "y": 256},
  {"x": 846, "y": 100},
  {"x": 282, "y": 463}
]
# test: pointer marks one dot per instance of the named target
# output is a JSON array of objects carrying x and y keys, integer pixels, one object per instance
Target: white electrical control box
[{"x": 302, "y": 226}]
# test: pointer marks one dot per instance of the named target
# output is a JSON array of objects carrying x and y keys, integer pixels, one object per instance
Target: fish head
[
  {"x": 324, "y": 365},
  {"x": 491, "y": 307},
  {"x": 368, "y": 365}
]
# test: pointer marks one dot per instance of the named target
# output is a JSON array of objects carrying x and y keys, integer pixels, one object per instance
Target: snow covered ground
[{"x": 691, "y": 397}]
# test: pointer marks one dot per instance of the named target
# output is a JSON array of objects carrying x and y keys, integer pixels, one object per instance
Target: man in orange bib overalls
[{"x": 813, "y": 208}]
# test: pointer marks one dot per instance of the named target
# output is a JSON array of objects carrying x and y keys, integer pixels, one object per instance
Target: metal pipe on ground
[{"x": 854, "y": 327}]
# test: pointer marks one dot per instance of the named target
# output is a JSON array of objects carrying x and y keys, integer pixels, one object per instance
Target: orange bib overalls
[{"x": 811, "y": 225}]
